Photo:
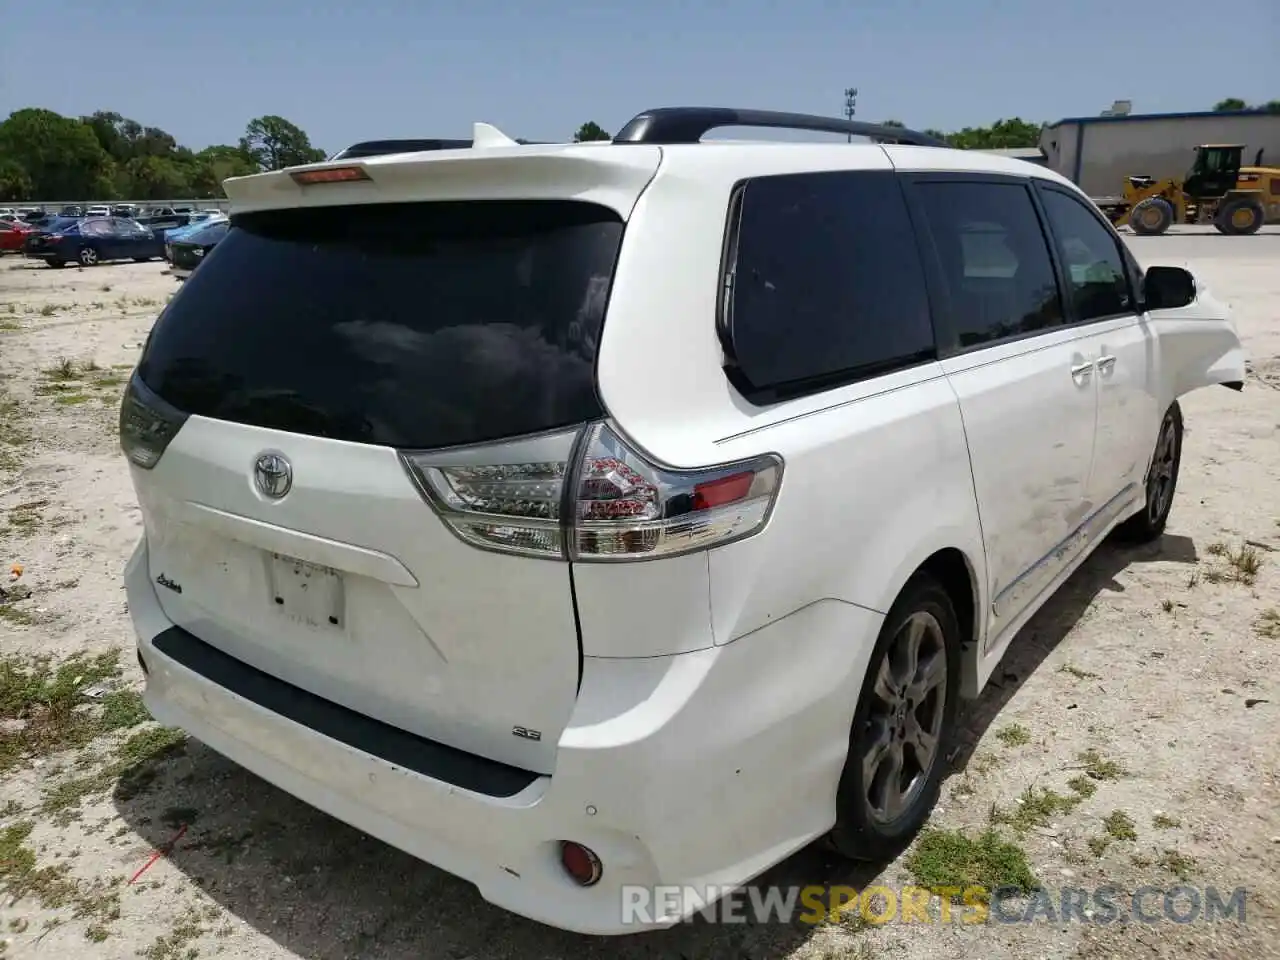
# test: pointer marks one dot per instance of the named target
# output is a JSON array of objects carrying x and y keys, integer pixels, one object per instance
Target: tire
[
  {"x": 1240, "y": 217},
  {"x": 88, "y": 256},
  {"x": 1151, "y": 217},
  {"x": 1162, "y": 482},
  {"x": 868, "y": 829}
]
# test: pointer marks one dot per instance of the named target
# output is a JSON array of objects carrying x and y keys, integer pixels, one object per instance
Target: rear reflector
[
  {"x": 329, "y": 175},
  {"x": 580, "y": 863}
]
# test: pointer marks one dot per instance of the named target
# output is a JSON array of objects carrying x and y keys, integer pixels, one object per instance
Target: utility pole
[{"x": 850, "y": 105}]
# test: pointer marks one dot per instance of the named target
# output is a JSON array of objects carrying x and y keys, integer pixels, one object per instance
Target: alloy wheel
[
  {"x": 1160, "y": 478},
  {"x": 904, "y": 724}
]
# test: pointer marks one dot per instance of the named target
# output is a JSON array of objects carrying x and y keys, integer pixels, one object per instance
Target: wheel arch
[{"x": 961, "y": 573}]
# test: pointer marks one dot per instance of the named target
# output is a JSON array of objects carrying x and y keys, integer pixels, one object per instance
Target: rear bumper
[{"x": 699, "y": 770}]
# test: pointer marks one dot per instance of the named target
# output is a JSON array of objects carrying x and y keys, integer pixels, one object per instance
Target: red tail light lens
[
  {"x": 628, "y": 508},
  {"x": 607, "y": 503},
  {"x": 329, "y": 175}
]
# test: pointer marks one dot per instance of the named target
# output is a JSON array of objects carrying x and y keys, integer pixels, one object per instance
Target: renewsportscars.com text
[{"x": 968, "y": 905}]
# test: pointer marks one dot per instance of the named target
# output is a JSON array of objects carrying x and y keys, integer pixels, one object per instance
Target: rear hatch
[{"x": 313, "y": 347}]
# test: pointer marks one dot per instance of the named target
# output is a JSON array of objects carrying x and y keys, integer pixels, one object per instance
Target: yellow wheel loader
[{"x": 1236, "y": 200}]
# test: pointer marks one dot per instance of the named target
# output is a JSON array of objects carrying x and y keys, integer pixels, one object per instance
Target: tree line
[
  {"x": 1235, "y": 103},
  {"x": 105, "y": 156}
]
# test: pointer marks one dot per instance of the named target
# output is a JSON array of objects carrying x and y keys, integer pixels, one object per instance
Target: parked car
[
  {"x": 13, "y": 233},
  {"x": 181, "y": 233},
  {"x": 94, "y": 240},
  {"x": 426, "y": 544},
  {"x": 178, "y": 233},
  {"x": 39, "y": 221},
  {"x": 71, "y": 211},
  {"x": 98, "y": 211},
  {"x": 162, "y": 220},
  {"x": 189, "y": 252},
  {"x": 37, "y": 232}
]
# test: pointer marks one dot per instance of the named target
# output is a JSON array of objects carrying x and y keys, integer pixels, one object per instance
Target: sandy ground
[{"x": 1160, "y": 660}]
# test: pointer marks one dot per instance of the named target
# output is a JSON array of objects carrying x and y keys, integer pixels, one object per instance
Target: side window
[
  {"x": 1099, "y": 280},
  {"x": 96, "y": 228},
  {"x": 994, "y": 259},
  {"x": 826, "y": 280}
]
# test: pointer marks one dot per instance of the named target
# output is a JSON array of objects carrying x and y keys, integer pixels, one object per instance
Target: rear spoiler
[
  {"x": 484, "y": 135},
  {"x": 497, "y": 169}
]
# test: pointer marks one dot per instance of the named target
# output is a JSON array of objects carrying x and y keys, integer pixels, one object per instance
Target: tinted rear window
[
  {"x": 409, "y": 325},
  {"x": 209, "y": 233},
  {"x": 827, "y": 281}
]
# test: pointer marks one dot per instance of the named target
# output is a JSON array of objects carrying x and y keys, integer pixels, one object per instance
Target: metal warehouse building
[{"x": 1099, "y": 152}]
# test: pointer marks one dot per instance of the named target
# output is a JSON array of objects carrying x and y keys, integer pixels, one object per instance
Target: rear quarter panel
[{"x": 872, "y": 488}]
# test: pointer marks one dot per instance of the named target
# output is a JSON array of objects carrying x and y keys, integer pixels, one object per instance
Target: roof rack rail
[{"x": 671, "y": 125}]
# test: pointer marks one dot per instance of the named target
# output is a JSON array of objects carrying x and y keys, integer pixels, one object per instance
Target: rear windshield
[
  {"x": 207, "y": 233},
  {"x": 410, "y": 325}
]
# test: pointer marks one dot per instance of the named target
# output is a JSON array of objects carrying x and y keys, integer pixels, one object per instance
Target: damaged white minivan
[{"x": 583, "y": 518}]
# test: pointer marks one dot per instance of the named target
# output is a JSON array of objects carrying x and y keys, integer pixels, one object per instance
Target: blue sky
[{"x": 358, "y": 70}]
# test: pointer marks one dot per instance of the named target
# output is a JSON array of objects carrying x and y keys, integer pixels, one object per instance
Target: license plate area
[{"x": 307, "y": 593}]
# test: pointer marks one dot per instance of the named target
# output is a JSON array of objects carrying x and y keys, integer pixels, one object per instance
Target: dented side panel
[{"x": 1198, "y": 346}]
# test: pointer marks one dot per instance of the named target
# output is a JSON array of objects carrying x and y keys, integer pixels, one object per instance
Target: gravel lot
[{"x": 1131, "y": 741}]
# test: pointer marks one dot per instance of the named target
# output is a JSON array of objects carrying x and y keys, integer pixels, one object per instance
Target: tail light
[
  {"x": 147, "y": 424},
  {"x": 586, "y": 495}
]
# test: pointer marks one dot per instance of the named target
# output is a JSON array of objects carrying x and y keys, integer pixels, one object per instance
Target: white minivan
[{"x": 589, "y": 517}]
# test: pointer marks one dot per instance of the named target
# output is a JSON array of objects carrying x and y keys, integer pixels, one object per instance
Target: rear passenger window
[
  {"x": 994, "y": 258},
  {"x": 1099, "y": 285},
  {"x": 826, "y": 284}
]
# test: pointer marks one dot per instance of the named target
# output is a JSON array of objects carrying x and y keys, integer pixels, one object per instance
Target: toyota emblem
[{"x": 272, "y": 475}]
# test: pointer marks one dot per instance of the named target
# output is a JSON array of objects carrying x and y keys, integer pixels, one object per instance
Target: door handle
[
  {"x": 1106, "y": 363},
  {"x": 1080, "y": 372}
]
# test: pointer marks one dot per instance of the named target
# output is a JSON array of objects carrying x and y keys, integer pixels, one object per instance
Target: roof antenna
[{"x": 486, "y": 135}]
